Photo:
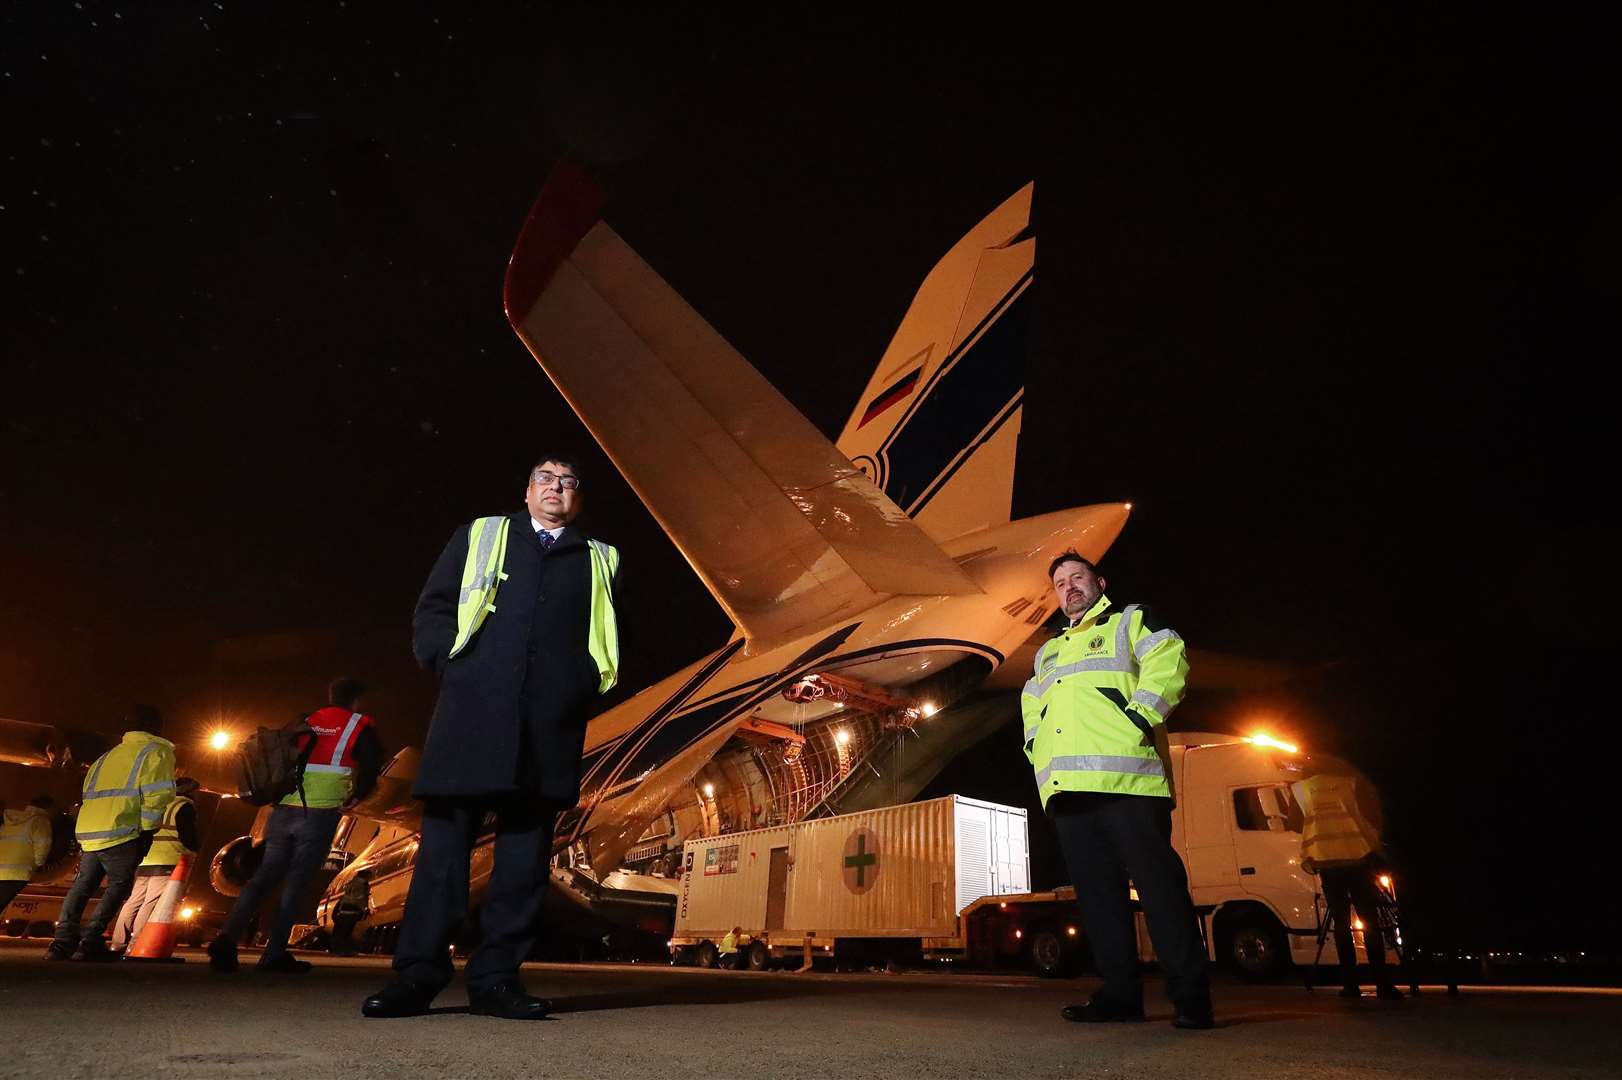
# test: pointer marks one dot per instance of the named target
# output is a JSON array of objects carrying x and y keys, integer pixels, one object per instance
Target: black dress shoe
[
  {"x": 1102, "y": 1011},
  {"x": 1193, "y": 1016},
  {"x": 402, "y": 997},
  {"x": 508, "y": 1001}
]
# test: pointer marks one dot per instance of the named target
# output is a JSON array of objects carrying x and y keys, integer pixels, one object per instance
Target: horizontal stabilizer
[{"x": 786, "y": 533}]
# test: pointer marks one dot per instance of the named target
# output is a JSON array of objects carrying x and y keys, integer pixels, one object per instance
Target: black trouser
[
  {"x": 438, "y": 901},
  {"x": 9, "y": 889},
  {"x": 117, "y": 864},
  {"x": 1345, "y": 886},
  {"x": 1107, "y": 839}
]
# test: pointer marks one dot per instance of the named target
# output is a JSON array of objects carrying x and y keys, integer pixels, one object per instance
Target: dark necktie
[{"x": 546, "y": 538}]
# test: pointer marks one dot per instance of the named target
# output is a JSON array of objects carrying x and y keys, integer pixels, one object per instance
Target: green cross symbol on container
[{"x": 860, "y": 862}]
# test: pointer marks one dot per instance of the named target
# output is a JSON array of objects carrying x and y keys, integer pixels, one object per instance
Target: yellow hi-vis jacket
[
  {"x": 1095, "y": 709},
  {"x": 25, "y": 842},
  {"x": 1334, "y": 831},
  {"x": 166, "y": 849},
  {"x": 126, "y": 791},
  {"x": 482, "y": 573},
  {"x": 729, "y": 944}
]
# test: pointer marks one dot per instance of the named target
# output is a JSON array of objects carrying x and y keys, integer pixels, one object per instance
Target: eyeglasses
[{"x": 545, "y": 478}]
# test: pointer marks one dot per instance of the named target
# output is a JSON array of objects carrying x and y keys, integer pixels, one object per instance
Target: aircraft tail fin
[
  {"x": 937, "y": 426},
  {"x": 784, "y": 531}
]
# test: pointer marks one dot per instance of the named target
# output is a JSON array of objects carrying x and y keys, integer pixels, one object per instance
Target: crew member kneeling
[{"x": 1095, "y": 714}]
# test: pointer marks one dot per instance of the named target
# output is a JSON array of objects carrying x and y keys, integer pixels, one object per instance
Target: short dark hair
[
  {"x": 344, "y": 692},
  {"x": 1070, "y": 556},
  {"x": 44, "y": 802},
  {"x": 571, "y": 460},
  {"x": 143, "y": 718}
]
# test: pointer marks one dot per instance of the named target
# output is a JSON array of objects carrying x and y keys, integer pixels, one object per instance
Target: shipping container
[{"x": 898, "y": 875}]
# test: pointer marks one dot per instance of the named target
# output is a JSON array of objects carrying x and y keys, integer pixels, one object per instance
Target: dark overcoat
[{"x": 513, "y": 704}]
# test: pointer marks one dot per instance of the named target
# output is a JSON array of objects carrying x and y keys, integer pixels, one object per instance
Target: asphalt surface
[{"x": 615, "y": 1021}]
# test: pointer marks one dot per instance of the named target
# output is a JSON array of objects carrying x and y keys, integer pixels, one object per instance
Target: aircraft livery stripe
[
  {"x": 961, "y": 402},
  {"x": 892, "y": 397}
]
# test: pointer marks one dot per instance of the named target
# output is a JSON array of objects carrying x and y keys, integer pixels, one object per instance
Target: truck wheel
[
  {"x": 1255, "y": 947},
  {"x": 758, "y": 956},
  {"x": 1051, "y": 955},
  {"x": 708, "y": 955}
]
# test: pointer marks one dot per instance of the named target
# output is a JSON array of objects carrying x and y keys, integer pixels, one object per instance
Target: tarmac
[{"x": 617, "y": 1021}]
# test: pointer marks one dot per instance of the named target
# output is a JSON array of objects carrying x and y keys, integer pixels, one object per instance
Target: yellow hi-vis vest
[
  {"x": 1334, "y": 831},
  {"x": 1101, "y": 688},
  {"x": 126, "y": 791},
  {"x": 25, "y": 842},
  {"x": 166, "y": 847},
  {"x": 482, "y": 573}
]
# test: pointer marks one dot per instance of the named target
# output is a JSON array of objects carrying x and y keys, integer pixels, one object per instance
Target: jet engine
[{"x": 234, "y": 864}]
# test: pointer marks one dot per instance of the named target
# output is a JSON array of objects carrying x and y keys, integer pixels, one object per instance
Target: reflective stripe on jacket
[
  {"x": 25, "y": 842},
  {"x": 328, "y": 776},
  {"x": 1095, "y": 708},
  {"x": 126, "y": 791},
  {"x": 482, "y": 575},
  {"x": 1334, "y": 831},
  {"x": 166, "y": 849}
]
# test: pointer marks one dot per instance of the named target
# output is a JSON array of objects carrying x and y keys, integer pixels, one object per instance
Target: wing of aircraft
[{"x": 782, "y": 528}]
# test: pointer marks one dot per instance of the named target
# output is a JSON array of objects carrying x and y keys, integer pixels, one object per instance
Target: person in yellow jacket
[
  {"x": 175, "y": 839},
  {"x": 126, "y": 792},
  {"x": 1340, "y": 842},
  {"x": 25, "y": 845},
  {"x": 1094, "y": 715}
]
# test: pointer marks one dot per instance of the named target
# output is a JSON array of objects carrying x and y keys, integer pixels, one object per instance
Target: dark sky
[{"x": 1331, "y": 297}]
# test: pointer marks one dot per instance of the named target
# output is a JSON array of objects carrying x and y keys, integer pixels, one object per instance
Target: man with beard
[{"x": 1095, "y": 714}]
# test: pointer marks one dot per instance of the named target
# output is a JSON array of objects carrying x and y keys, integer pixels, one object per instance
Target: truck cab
[{"x": 1238, "y": 829}]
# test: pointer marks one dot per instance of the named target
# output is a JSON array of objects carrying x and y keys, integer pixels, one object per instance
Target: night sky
[{"x": 1332, "y": 300}]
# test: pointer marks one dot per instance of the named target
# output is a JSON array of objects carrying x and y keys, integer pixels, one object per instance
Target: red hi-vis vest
[{"x": 332, "y": 762}]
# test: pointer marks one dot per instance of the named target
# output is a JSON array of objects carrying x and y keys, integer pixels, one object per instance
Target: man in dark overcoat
[{"x": 505, "y": 739}]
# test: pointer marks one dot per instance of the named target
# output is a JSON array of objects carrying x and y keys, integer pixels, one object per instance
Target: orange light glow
[
  {"x": 1261, "y": 738},
  {"x": 219, "y": 740},
  {"x": 1071, "y": 930},
  {"x": 187, "y": 912},
  {"x": 841, "y": 736},
  {"x": 1019, "y": 933}
]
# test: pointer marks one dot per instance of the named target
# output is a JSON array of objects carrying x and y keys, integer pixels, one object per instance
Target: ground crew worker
[
  {"x": 25, "y": 845},
  {"x": 518, "y": 620},
  {"x": 176, "y": 838},
  {"x": 1095, "y": 714},
  {"x": 343, "y": 767},
  {"x": 1342, "y": 846},
  {"x": 353, "y": 906},
  {"x": 729, "y": 948},
  {"x": 126, "y": 792}
]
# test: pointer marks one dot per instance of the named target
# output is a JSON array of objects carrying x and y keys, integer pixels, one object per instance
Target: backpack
[{"x": 270, "y": 763}]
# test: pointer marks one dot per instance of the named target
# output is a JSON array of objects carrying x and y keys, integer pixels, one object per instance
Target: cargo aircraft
[{"x": 871, "y": 580}]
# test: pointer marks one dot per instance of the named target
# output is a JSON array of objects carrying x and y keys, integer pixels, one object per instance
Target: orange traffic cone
[{"x": 157, "y": 940}]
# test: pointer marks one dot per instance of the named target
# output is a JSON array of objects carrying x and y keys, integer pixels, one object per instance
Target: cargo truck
[{"x": 953, "y": 895}]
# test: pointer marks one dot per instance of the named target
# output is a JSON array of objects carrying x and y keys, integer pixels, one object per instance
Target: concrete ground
[{"x": 613, "y": 1021}]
